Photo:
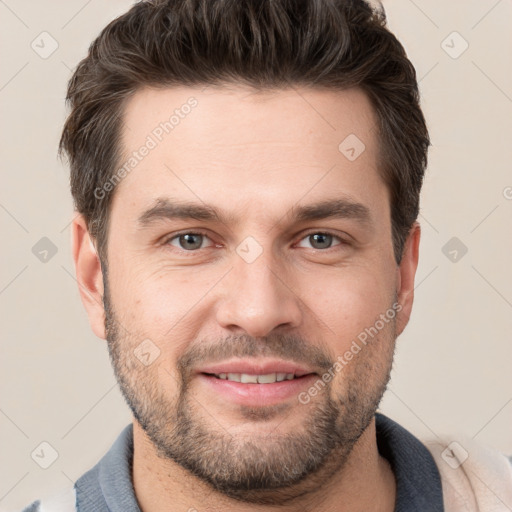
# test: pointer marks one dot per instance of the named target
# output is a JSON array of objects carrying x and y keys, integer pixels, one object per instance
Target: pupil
[
  {"x": 187, "y": 241},
  {"x": 322, "y": 239}
]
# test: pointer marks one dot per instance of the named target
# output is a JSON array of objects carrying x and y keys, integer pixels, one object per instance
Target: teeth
[
  {"x": 245, "y": 378},
  {"x": 267, "y": 379}
]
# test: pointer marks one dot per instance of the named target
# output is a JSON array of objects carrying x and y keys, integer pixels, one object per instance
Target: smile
[{"x": 246, "y": 378}]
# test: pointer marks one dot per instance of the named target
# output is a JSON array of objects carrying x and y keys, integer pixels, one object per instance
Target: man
[{"x": 247, "y": 178}]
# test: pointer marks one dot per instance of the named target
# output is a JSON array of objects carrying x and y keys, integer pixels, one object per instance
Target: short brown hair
[{"x": 334, "y": 44}]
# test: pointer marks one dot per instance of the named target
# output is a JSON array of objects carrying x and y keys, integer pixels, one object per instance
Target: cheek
[
  {"x": 151, "y": 298},
  {"x": 349, "y": 300},
  {"x": 166, "y": 307}
]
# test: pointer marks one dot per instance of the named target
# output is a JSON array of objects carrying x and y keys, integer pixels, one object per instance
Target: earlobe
[
  {"x": 406, "y": 272},
  {"x": 89, "y": 275}
]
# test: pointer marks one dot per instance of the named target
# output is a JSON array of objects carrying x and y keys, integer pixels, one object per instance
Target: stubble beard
[{"x": 267, "y": 469}]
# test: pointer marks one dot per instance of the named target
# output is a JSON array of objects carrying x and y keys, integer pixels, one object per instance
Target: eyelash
[{"x": 343, "y": 242}]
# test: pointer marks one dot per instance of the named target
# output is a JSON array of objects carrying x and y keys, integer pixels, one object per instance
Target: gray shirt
[{"x": 107, "y": 487}]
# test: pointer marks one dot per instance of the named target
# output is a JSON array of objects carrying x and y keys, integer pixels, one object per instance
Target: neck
[{"x": 365, "y": 482}]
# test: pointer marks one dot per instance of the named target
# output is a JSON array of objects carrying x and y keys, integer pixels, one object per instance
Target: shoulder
[
  {"x": 33, "y": 507},
  {"x": 107, "y": 483},
  {"x": 474, "y": 476},
  {"x": 65, "y": 501}
]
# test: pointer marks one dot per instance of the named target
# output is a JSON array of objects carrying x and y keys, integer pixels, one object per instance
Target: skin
[{"x": 255, "y": 157}]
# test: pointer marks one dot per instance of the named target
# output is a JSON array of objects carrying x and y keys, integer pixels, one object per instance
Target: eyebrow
[
  {"x": 166, "y": 208},
  {"x": 334, "y": 208},
  {"x": 169, "y": 209}
]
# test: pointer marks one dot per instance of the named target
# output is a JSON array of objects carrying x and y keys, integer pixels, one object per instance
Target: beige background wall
[{"x": 453, "y": 367}]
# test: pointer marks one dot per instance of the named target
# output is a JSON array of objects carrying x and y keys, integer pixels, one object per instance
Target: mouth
[
  {"x": 255, "y": 383},
  {"x": 247, "y": 378}
]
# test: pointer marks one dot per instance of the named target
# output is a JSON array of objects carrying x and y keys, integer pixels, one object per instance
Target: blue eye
[{"x": 320, "y": 240}]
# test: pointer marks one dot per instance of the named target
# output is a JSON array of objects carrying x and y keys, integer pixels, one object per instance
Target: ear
[
  {"x": 405, "y": 277},
  {"x": 88, "y": 275}
]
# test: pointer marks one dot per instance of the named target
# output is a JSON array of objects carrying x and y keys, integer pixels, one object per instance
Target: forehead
[
  {"x": 231, "y": 145},
  {"x": 233, "y": 114}
]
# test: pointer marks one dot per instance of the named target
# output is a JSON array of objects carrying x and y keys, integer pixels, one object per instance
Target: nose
[{"x": 256, "y": 298}]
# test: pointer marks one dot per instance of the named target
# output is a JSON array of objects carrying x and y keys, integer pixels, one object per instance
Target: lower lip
[{"x": 258, "y": 394}]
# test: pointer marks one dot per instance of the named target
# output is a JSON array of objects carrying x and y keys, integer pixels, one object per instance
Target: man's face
[{"x": 270, "y": 286}]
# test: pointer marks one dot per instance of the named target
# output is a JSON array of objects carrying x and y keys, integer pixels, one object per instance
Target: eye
[
  {"x": 320, "y": 240},
  {"x": 188, "y": 241}
]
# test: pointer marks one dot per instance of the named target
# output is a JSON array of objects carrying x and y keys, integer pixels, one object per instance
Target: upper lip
[{"x": 257, "y": 367}]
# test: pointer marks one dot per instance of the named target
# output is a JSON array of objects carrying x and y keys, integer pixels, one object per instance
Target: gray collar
[{"x": 107, "y": 487}]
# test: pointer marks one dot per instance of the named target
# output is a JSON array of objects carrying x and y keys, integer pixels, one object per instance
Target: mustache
[{"x": 287, "y": 347}]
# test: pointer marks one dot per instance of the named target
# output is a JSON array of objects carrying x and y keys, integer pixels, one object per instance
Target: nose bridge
[
  {"x": 257, "y": 298},
  {"x": 259, "y": 278},
  {"x": 256, "y": 281}
]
